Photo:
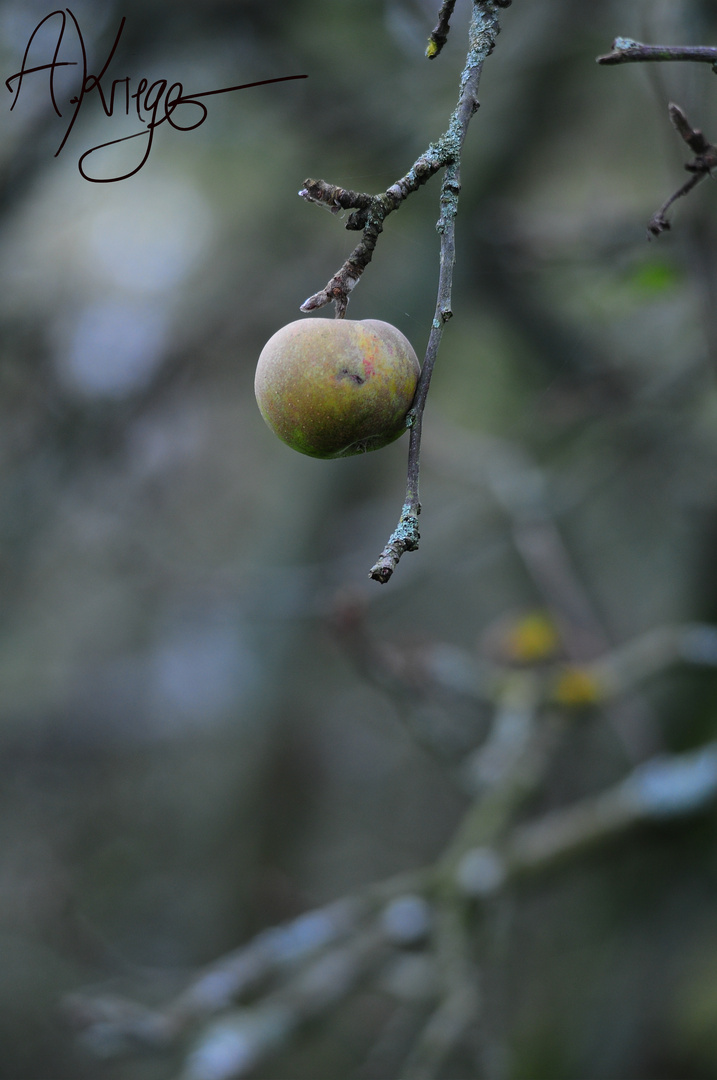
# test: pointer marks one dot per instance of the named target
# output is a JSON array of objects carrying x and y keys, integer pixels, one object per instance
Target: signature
[{"x": 153, "y": 104}]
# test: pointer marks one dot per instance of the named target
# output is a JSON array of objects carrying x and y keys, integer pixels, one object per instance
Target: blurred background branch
[{"x": 294, "y": 974}]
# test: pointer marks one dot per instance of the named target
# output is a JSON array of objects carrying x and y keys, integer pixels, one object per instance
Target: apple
[{"x": 332, "y": 388}]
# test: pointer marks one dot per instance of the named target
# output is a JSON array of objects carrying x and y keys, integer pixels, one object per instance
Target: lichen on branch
[
  {"x": 369, "y": 214},
  {"x": 483, "y": 31},
  {"x": 627, "y": 51}
]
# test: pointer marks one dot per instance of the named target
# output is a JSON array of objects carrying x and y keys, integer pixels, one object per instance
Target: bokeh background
[{"x": 188, "y": 752}]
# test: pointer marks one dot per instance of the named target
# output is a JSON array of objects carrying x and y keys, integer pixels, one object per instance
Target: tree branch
[
  {"x": 483, "y": 30},
  {"x": 370, "y": 214},
  {"x": 249, "y": 1004},
  {"x": 439, "y": 35},
  {"x": 701, "y": 166},
  {"x": 323, "y": 955},
  {"x": 626, "y": 51}
]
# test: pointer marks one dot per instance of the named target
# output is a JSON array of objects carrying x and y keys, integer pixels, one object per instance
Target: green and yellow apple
[{"x": 332, "y": 388}]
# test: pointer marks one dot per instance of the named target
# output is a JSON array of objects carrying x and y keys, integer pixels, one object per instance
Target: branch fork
[
  {"x": 625, "y": 50},
  {"x": 704, "y": 161},
  {"x": 369, "y": 214}
]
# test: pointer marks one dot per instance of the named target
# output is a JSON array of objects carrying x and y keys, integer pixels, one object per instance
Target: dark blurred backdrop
[{"x": 188, "y": 754}]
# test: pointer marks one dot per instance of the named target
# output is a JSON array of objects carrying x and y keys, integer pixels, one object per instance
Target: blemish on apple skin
[{"x": 353, "y": 375}]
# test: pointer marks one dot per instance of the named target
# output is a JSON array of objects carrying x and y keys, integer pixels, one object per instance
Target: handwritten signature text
[{"x": 153, "y": 104}]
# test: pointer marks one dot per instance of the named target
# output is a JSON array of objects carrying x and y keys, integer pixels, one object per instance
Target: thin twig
[
  {"x": 439, "y": 34},
  {"x": 626, "y": 51},
  {"x": 483, "y": 30},
  {"x": 370, "y": 212},
  {"x": 701, "y": 166}
]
